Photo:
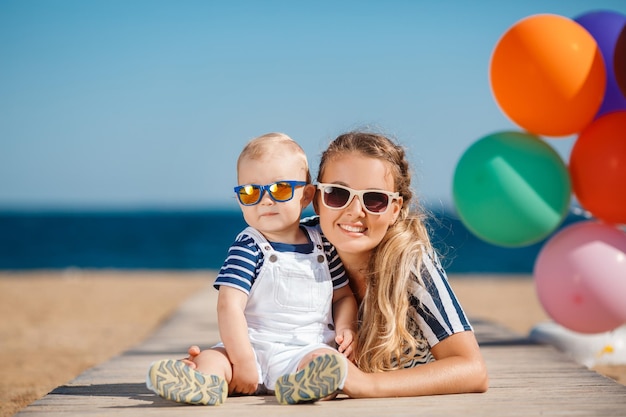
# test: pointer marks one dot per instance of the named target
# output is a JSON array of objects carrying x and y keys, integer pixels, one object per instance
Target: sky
[{"x": 146, "y": 104}]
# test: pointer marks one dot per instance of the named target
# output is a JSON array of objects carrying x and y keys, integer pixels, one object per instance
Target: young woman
[{"x": 413, "y": 338}]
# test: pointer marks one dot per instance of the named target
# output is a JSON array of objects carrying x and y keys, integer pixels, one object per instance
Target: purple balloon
[
  {"x": 605, "y": 27},
  {"x": 619, "y": 61}
]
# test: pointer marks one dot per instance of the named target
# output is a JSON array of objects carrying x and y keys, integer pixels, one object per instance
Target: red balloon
[{"x": 598, "y": 168}]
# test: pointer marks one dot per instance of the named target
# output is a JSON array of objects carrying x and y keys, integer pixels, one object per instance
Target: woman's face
[{"x": 352, "y": 230}]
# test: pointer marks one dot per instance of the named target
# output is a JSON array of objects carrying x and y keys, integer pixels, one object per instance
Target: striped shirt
[
  {"x": 245, "y": 259},
  {"x": 434, "y": 312}
]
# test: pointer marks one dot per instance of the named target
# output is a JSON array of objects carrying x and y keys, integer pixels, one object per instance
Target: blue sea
[{"x": 189, "y": 240}]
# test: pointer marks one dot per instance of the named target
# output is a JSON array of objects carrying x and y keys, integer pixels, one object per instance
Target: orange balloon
[
  {"x": 598, "y": 168},
  {"x": 547, "y": 74}
]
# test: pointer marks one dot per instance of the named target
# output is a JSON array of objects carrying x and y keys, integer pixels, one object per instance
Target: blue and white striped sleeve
[
  {"x": 440, "y": 313},
  {"x": 337, "y": 271},
  {"x": 241, "y": 266}
]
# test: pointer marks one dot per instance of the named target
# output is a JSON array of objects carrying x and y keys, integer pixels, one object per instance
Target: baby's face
[{"x": 276, "y": 220}]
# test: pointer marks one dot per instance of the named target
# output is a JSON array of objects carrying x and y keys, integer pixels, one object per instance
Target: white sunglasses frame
[{"x": 358, "y": 193}]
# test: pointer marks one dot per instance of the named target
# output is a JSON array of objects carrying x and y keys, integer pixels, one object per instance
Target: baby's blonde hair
[{"x": 273, "y": 142}]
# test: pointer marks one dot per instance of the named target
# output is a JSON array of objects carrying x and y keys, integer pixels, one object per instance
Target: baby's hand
[
  {"x": 193, "y": 351},
  {"x": 346, "y": 341},
  {"x": 245, "y": 378}
]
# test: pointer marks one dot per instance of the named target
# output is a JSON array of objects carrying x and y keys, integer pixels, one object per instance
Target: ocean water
[{"x": 187, "y": 240}]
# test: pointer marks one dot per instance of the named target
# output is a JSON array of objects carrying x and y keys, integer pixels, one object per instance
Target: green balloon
[{"x": 511, "y": 189}]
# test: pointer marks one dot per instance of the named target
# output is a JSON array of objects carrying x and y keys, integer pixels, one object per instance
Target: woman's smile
[{"x": 352, "y": 228}]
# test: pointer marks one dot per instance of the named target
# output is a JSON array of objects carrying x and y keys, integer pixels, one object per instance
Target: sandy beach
[{"x": 57, "y": 324}]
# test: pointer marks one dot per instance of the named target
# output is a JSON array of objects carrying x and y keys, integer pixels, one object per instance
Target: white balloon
[{"x": 607, "y": 348}]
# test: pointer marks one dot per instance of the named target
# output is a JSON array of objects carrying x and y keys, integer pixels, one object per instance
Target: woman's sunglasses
[
  {"x": 337, "y": 197},
  {"x": 279, "y": 191}
]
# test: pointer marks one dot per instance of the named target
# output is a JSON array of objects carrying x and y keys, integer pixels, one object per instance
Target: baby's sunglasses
[
  {"x": 337, "y": 197},
  {"x": 279, "y": 191}
]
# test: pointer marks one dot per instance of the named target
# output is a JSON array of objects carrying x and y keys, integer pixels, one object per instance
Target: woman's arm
[{"x": 459, "y": 368}]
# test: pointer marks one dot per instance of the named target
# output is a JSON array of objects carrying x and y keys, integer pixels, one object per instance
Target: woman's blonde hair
[{"x": 387, "y": 337}]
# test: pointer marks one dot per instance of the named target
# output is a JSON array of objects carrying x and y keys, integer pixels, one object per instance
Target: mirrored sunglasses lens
[
  {"x": 375, "y": 202},
  {"x": 336, "y": 197},
  {"x": 281, "y": 191},
  {"x": 249, "y": 194}
]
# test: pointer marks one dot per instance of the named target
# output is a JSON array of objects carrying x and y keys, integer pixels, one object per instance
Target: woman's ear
[{"x": 397, "y": 208}]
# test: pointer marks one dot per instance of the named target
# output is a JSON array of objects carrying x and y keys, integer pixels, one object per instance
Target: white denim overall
[{"x": 289, "y": 309}]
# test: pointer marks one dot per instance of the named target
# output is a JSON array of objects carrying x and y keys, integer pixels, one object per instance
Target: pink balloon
[{"x": 580, "y": 277}]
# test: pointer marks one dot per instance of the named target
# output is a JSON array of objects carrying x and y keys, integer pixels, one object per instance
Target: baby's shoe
[
  {"x": 322, "y": 377},
  {"x": 174, "y": 380}
]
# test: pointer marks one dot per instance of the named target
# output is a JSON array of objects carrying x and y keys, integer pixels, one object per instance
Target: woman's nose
[{"x": 355, "y": 206}]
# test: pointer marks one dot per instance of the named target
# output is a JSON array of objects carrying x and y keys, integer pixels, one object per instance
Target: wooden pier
[{"x": 526, "y": 379}]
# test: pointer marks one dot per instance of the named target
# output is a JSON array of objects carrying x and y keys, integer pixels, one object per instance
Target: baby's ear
[
  {"x": 308, "y": 194},
  {"x": 316, "y": 204}
]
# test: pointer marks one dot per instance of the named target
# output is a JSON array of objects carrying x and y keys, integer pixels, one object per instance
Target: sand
[{"x": 55, "y": 325}]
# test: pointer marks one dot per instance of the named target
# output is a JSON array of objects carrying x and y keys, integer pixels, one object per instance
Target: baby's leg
[
  {"x": 206, "y": 384},
  {"x": 214, "y": 361},
  {"x": 320, "y": 374},
  {"x": 314, "y": 354}
]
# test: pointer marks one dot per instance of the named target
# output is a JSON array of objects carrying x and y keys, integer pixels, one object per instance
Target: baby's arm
[
  {"x": 233, "y": 328},
  {"x": 345, "y": 318}
]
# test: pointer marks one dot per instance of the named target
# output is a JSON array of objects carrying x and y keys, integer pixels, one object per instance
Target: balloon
[
  {"x": 619, "y": 61},
  {"x": 511, "y": 189},
  {"x": 547, "y": 74},
  {"x": 606, "y": 27},
  {"x": 580, "y": 277},
  {"x": 598, "y": 168}
]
